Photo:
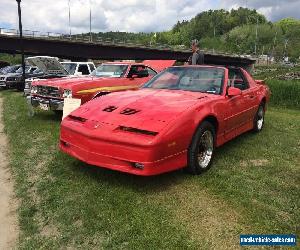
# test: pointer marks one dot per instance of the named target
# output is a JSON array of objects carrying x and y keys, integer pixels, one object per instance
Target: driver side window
[{"x": 136, "y": 70}]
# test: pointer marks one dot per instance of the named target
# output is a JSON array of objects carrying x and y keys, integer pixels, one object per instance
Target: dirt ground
[{"x": 8, "y": 217}]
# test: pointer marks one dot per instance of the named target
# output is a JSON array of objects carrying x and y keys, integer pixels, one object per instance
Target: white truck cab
[{"x": 79, "y": 68}]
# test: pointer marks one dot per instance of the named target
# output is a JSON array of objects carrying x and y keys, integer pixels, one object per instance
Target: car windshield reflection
[{"x": 196, "y": 79}]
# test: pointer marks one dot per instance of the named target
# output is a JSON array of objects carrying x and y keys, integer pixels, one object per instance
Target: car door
[
  {"x": 238, "y": 108},
  {"x": 140, "y": 80}
]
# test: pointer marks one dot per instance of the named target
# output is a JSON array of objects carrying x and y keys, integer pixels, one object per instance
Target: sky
[{"x": 127, "y": 15}]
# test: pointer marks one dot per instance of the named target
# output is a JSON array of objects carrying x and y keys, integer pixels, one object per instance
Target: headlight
[
  {"x": 67, "y": 93},
  {"x": 34, "y": 89}
]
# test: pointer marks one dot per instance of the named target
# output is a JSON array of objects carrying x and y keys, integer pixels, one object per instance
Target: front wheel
[
  {"x": 201, "y": 150},
  {"x": 259, "y": 119}
]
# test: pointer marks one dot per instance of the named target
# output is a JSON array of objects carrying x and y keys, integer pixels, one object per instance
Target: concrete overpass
[{"x": 80, "y": 48}]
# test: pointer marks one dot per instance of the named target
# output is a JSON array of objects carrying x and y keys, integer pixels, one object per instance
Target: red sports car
[{"x": 174, "y": 121}]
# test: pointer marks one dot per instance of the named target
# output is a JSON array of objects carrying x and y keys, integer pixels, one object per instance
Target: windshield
[
  {"x": 20, "y": 70},
  {"x": 37, "y": 71},
  {"x": 70, "y": 67},
  {"x": 10, "y": 69},
  {"x": 199, "y": 79},
  {"x": 2, "y": 70},
  {"x": 110, "y": 70}
]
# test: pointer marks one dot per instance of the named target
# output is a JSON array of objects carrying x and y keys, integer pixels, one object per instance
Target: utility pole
[
  {"x": 21, "y": 41},
  {"x": 70, "y": 18},
  {"x": 256, "y": 36},
  {"x": 285, "y": 47},
  {"x": 274, "y": 43},
  {"x": 91, "y": 22}
]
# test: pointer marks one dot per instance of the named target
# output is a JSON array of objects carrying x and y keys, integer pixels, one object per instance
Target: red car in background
[
  {"x": 108, "y": 77},
  {"x": 176, "y": 120}
]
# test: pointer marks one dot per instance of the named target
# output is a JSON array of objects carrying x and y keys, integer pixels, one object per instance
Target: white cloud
[
  {"x": 127, "y": 15},
  {"x": 274, "y": 10}
]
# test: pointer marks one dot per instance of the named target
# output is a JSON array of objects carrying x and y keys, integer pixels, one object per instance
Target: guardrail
[{"x": 97, "y": 39}]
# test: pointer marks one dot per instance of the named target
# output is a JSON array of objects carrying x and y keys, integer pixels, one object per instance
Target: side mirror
[{"x": 232, "y": 91}]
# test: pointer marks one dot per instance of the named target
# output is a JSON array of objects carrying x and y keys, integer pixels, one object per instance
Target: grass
[{"x": 253, "y": 187}]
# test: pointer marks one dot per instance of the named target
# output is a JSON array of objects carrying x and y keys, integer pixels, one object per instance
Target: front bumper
[
  {"x": 54, "y": 104},
  {"x": 133, "y": 159}
]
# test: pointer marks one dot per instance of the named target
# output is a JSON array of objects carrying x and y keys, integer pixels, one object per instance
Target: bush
[{"x": 285, "y": 93}]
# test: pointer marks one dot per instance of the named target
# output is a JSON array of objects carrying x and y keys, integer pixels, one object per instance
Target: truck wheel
[{"x": 201, "y": 150}]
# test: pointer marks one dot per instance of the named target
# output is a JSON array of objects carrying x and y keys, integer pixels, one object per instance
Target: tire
[
  {"x": 259, "y": 118},
  {"x": 201, "y": 150}
]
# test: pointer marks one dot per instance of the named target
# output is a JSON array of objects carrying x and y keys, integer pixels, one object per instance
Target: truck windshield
[
  {"x": 110, "y": 70},
  {"x": 70, "y": 67}
]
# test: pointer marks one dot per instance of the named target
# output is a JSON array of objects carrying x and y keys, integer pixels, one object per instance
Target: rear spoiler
[
  {"x": 261, "y": 82},
  {"x": 159, "y": 65}
]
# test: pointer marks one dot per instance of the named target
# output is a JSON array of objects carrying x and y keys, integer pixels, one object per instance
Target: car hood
[
  {"x": 73, "y": 82},
  {"x": 146, "y": 109},
  {"x": 159, "y": 65},
  {"x": 49, "y": 65}
]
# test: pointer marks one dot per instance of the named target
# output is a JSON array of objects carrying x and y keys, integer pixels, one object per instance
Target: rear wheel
[
  {"x": 259, "y": 118},
  {"x": 201, "y": 150}
]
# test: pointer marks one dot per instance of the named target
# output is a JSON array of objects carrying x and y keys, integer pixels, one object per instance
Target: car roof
[
  {"x": 200, "y": 66},
  {"x": 126, "y": 63},
  {"x": 79, "y": 62}
]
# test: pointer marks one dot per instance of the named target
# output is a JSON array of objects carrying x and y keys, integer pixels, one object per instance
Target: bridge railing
[{"x": 96, "y": 39}]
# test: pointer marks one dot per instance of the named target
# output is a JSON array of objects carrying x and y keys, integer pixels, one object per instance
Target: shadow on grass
[
  {"x": 47, "y": 116},
  {"x": 146, "y": 184}
]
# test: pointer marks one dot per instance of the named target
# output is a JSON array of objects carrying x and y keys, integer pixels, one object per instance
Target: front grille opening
[
  {"x": 48, "y": 91},
  {"x": 129, "y": 111},
  {"x": 138, "y": 131},
  {"x": 110, "y": 109},
  {"x": 77, "y": 118}
]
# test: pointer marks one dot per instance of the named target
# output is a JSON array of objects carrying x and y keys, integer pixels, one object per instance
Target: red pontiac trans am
[
  {"x": 108, "y": 77},
  {"x": 175, "y": 120}
]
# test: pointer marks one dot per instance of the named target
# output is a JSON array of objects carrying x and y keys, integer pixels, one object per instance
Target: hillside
[{"x": 230, "y": 31}]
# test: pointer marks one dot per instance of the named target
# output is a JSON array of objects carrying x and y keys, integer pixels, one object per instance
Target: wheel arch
[
  {"x": 211, "y": 119},
  {"x": 263, "y": 102}
]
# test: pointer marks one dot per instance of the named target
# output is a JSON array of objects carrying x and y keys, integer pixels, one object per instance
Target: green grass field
[{"x": 253, "y": 187}]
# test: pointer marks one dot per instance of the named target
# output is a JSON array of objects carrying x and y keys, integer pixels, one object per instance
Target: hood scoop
[
  {"x": 129, "y": 111},
  {"x": 110, "y": 109}
]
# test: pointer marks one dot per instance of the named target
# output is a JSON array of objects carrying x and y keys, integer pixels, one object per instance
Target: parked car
[
  {"x": 79, "y": 68},
  {"x": 7, "y": 72},
  {"x": 107, "y": 78},
  {"x": 175, "y": 120},
  {"x": 14, "y": 81}
]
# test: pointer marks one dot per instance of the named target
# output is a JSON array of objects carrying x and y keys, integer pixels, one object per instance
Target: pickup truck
[{"x": 108, "y": 77}]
